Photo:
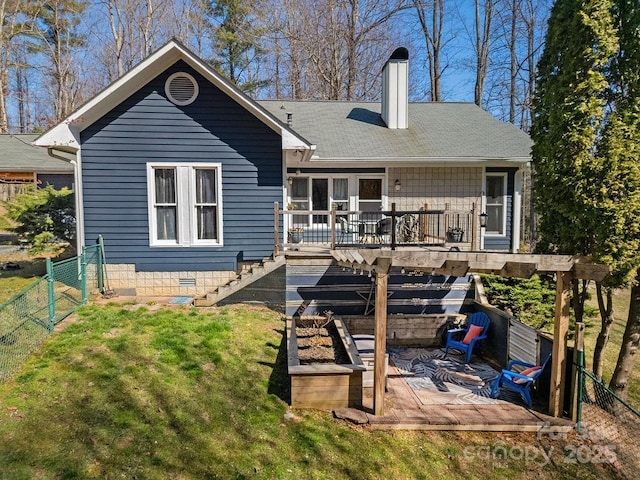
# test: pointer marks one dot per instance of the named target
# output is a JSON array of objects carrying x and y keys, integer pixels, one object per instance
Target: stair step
[
  {"x": 203, "y": 302},
  {"x": 248, "y": 275}
]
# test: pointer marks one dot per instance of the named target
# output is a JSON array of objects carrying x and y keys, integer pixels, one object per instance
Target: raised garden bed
[{"x": 325, "y": 369}]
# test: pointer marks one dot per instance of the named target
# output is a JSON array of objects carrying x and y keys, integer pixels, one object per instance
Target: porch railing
[{"x": 299, "y": 229}]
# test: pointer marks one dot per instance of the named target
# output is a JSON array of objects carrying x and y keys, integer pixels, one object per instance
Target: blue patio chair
[
  {"x": 475, "y": 331},
  {"x": 520, "y": 382}
]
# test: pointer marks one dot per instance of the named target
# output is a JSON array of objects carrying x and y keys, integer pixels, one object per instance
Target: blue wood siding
[
  {"x": 503, "y": 243},
  {"x": 147, "y": 127}
]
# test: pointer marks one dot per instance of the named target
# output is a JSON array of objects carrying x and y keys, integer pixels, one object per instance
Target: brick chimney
[{"x": 395, "y": 89}]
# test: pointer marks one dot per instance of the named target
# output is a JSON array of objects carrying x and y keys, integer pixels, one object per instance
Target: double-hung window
[
  {"x": 185, "y": 204},
  {"x": 496, "y": 188}
]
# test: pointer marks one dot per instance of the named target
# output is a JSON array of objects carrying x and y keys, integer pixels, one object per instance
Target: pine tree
[
  {"x": 59, "y": 40},
  {"x": 569, "y": 115},
  {"x": 620, "y": 150},
  {"x": 236, "y": 44},
  {"x": 570, "y": 109}
]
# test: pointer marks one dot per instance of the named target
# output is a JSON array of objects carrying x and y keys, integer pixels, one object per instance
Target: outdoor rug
[{"x": 437, "y": 380}]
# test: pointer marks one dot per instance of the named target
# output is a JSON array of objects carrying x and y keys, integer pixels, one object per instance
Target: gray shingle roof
[
  {"x": 18, "y": 155},
  {"x": 436, "y": 131}
]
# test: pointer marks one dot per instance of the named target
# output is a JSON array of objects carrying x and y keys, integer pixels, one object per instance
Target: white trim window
[
  {"x": 185, "y": 204},
  {"x": 496, "y": 204},
  {"x": 371, "y": 196}
]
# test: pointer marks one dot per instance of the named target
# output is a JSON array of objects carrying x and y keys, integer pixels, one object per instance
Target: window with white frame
[
  {"x": 370, "y": 194},
  {"x": 318, "y": 193},
  {"x": 185, "y": 204},
  {"x": 496, "y": 189}
]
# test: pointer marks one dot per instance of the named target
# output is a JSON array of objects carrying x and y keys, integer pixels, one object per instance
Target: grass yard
[
  {"x": 620, "y": 310},
  {"x": 129, "y": 391},
  {"x": 11, "y": 286}
]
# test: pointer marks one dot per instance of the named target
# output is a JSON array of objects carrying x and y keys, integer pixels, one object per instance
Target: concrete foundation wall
[{"x": 124, "y": 278}]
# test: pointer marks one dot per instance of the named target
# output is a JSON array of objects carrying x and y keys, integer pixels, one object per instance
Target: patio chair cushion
[
  {"x": 473, "y": 332},
  {"x": 529, "y": 372}
]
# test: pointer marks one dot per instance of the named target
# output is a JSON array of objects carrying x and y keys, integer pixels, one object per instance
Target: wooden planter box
[{"x": 325, "y": 386}]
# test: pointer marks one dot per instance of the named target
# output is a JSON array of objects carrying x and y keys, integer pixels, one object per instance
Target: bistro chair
[{"x": 345, "y": 230}]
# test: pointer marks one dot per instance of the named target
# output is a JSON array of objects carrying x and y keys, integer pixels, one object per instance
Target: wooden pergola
[{"x": 565, "y": 267}]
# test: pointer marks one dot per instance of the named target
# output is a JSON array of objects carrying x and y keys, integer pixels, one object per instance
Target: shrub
[
  {"x": 531, "y": 300},
  {"x": 43, "y": 215}
]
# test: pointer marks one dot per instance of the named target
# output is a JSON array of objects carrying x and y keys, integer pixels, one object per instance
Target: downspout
[{"x": 77, "y": 173}]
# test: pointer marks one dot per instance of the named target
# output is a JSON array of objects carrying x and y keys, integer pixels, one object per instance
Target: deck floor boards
[{"x": 404, "y": 410}]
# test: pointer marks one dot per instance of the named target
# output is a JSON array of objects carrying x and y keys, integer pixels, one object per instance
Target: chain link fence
[
  {"x": 29, "y": 317},
  {"x": 610, "y": 424}
]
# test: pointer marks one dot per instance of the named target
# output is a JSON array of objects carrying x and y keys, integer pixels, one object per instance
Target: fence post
[
  {"x": 83, "y": 275},
  {"x": 474, "y": 227},
  {"x": 393, "y": 226},
  {"x": 580, "y": 389},
  {"x": 333, "y": 226},
  {"x": 578, "y": 349},
  {"x": 99, "y": 271},
  {"x": 51, "y": 294}
]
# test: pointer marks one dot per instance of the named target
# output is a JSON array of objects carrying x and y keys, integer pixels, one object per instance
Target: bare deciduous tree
[
  {"x": 484, "y": 12},
  {"x": 432, "y": 27}
]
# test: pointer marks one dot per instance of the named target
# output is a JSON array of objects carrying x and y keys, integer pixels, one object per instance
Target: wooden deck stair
[{"x": 246, "y": 277}]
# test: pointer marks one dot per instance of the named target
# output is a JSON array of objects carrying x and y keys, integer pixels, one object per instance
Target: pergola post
[
  {"x": 558, "y": 358},
  {"x": 380, "y": 335}
]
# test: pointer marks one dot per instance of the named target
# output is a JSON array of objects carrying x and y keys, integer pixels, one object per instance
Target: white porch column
[{"x": 517, "y": 211}]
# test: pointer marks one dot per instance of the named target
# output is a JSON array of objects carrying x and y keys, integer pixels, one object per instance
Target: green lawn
[
  {"x": 148, "y": 392},
  {"x": 11, "y": 286},
  {"x": 621, "y": 309}
]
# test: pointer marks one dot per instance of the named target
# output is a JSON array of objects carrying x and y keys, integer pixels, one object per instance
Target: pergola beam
[{"x": 505, "y": 264}]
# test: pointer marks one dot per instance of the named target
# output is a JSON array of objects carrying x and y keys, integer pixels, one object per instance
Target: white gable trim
[{"x": 65, "y": 135}]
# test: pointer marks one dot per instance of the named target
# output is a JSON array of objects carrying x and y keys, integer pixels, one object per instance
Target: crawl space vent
[
  {"x": 187, "y": 282},
  {"x": 181, "y": 88}
]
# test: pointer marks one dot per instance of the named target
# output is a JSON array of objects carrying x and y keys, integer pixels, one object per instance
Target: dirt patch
[
  {"x": 320, "y": 344},
  {"x": 113, "y": 333}
]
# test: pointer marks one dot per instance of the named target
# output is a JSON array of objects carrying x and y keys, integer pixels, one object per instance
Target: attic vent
[{"x": 181, "y": 88}]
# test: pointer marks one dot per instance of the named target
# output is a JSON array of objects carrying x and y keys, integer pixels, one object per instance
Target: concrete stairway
[{"x": 247, "y": 276}]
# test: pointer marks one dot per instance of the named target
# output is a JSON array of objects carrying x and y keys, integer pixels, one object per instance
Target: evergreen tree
[
  {"x": 59, "y": 40},
  {"x": 236, "y": 43},
  {"x": 620, "y": 171},
  {"x": 569, "y": 115}
]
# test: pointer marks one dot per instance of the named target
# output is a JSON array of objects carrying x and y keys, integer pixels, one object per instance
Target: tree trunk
[
  {"x": 579, "y": 297},
  {"x": 513, "y": 69},
  {"x": 433, "y": 43},
  {"x": 628, "y": 349},
  {"x": 482, "y": 47},
  {"x": 606, "y": 317}
]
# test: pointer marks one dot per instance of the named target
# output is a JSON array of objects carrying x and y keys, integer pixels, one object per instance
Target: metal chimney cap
[{"x": 400, "y": 53}]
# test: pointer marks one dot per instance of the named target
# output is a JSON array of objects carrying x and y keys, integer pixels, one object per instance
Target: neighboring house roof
[
  {"x": 437, "y": 131},
  {"x": 65, "y": 135},
  {"x": 18, "y": 155}
]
